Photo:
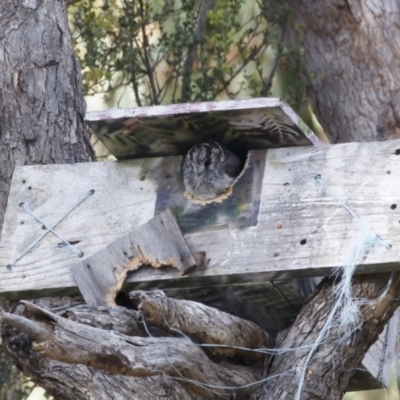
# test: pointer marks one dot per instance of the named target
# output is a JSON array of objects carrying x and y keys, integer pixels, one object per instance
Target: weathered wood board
[
  {"x": 158, "y": 242},
  {"x": 282, "y": 208},
  {"x": 242, "y": 125},
  {"x": 378, "y": 361},
  {"x": 299, "y": 230}
]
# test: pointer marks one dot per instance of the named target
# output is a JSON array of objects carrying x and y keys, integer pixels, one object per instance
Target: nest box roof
[{"x": 240, "y": 125}]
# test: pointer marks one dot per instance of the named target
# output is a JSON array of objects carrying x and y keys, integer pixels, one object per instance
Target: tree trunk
[
  {"x": 330, "y": 369},
  {"x": 41, "y": 104},
  {"x": 42, "y": 108},
  {"x": 352, "y": 50}
]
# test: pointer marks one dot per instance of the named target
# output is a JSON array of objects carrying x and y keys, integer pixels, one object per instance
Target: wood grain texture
[
  {"x": 159, "y": 131},
  {"x": 293, "y": 210},
  {"x": 128, "y": 193},
  {"x": 378, "y": 361},
  {"x": 159, "y": 242},
  {"x": 204, "y": 324},
  {"x": 81, "y": 378},
  {"x": 273, "y": 306},
  {"x": 110, "y": 318}
]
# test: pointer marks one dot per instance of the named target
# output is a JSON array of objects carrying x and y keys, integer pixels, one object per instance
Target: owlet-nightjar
[{"x": 209, "y": 169}]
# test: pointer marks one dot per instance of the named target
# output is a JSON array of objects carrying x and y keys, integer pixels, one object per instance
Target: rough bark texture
[
  {"x": 71, "y": 381},
  {"x": 41, "y": 104},
  {"x": 104, "y": 348},
  {"x": 352, "y": 48},
  {"x": 202, "y": 323},
  {"x": 79, "y": 382},
  {"x": 331, "y": 367},
  {"x": 112, "y": 318}
]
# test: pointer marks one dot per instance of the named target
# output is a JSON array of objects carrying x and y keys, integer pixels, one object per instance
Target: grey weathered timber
[
  {"x": 298, "y": 230},
  {"x": 170, "y": 130},
  {"x": 271, "y": 305},
  {"x": 291, "y": 206},
  {"x": 274, "y": 307},
  {"x": 111, "y": 318},
  {"x": 378, "y": 361},
  {"x": 159, "y": 242}
]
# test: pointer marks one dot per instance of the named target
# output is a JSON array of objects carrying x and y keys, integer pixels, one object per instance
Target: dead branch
[
  {"x": 84, "y": 382},
  {"x": 71, "y": 342},
  {"x": 110, "y": 318},
  {"x": 202, "y": 323}
]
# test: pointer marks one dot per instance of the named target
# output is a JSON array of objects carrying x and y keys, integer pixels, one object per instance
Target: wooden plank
[
  {"x": 292, "y": 209},
  {"x": 159, "y": 242},
  {"x": 184, "y": 108},
  {"x": 376, "y": 367},
  {"x": 379, "y": 359},
  {"x": 241, "y": 125},
  {"x": 95, "y": 277}
]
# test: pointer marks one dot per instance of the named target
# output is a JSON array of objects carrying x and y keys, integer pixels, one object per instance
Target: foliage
[{"x": 169, "y": 51}]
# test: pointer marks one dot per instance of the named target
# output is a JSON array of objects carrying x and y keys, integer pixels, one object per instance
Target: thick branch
[
  {"x": 79, "y": 382},
  {"x": 82, "y": 380},
  {"x": 202, "y": 323},
  {"x": 74, "y": 343},
  {"x": 333, "y": 363},
  {"x": 110, "y": 318}
]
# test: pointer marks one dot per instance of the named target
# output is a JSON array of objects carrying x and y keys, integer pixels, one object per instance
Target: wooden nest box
[{"x": 276, "y": 226}]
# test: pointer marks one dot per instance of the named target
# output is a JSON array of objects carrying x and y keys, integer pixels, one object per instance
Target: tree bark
[
  {"x": 71, "y": 342},
  {"x": 352, "y": 52},
  {"x": 333, "y": 364},
  {"x": 42, "y": 108},
  {"x": 93, "y": 336},
  {"x": 203, "y": 324},
  {"x": 41, "y": 103}
]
